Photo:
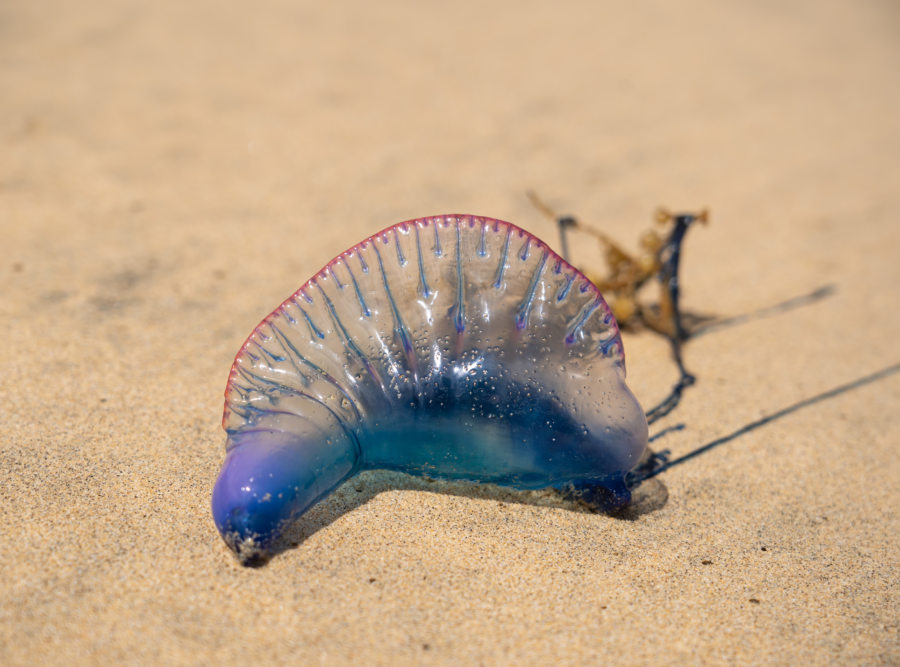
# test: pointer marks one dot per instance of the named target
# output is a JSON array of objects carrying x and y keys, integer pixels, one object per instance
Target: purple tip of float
[{"x": 267, "y": 480}]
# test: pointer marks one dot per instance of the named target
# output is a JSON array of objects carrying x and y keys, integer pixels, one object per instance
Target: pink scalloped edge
[{"x": 384, "y": 237}]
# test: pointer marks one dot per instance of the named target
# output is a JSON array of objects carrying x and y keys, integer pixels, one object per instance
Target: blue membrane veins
[{"x": 476, "y": 364}]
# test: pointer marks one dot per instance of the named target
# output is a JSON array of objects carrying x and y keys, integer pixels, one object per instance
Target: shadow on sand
[
  {"x": 649, "y": 494},
  {"x": 357, "y": 491}
]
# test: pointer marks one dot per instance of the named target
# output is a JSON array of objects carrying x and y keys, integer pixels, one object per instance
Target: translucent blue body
[{"x": 453, "y": 347}]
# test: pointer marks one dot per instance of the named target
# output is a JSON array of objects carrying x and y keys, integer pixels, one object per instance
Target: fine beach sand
[{"x": 169, "y": 175}]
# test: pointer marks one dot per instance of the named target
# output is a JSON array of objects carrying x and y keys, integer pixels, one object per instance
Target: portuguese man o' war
[{"x": 454, "y": 347}]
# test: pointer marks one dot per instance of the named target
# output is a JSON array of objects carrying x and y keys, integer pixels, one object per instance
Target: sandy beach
[{"x": 169, "y": 174}]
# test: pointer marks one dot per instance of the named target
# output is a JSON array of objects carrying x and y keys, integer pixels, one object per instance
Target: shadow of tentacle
[
  {"x": 696, "y": 325},
  {"x": 700, "y": 325},
  {"x": 664, "y": 432},
  {"x": 649, "y": 497},
  {"x": 660, "y": 462}
]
